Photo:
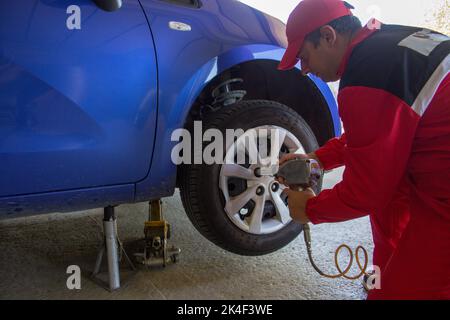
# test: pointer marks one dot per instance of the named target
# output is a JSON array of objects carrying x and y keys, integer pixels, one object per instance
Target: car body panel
[{"x": 78, "y": 106}]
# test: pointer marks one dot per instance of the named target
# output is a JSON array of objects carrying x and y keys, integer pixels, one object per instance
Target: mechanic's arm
[
  {"x": 380, "y": 130},
  {"x": 331, "y": 154}
]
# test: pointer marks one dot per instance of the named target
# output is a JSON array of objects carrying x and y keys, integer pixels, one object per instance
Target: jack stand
[
  {"x": 114, "y": 252},
  {"x": 157, "y": 232}
]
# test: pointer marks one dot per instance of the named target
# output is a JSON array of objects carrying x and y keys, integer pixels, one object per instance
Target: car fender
[{"x": 161, "y": 180}]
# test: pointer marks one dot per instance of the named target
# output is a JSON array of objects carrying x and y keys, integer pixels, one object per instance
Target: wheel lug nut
[
  {"x": 258, "y": 172},
  {"x": 243, "y": 211},
  {"x": 275, "y": 187},
  {"x": 260, "y": 191}
]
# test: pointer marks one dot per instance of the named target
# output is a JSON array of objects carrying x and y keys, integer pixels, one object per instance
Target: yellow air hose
[{"x": 342, "y": 273}]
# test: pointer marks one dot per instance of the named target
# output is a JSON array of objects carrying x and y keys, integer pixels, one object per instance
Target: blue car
[{"x": 91, "y": 92}]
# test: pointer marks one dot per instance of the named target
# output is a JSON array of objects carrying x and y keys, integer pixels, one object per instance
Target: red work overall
[{"x": 394, "y": 102}]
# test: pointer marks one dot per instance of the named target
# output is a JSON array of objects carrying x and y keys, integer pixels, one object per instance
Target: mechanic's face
[{"x": 324, "y": 60}]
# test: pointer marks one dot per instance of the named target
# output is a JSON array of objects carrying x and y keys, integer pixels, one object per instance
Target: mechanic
[{"x": 394, "y": 102}]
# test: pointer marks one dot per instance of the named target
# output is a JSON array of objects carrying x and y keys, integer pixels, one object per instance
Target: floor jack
[
  {"x": 156, "y": 251},
  {"x": 157, "y": 233}
]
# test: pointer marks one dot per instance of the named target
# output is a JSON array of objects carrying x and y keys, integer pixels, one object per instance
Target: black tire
[{"x": 199, "y": 184}]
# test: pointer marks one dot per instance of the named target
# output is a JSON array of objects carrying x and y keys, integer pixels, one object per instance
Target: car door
[{"x": 78, "y": 88}]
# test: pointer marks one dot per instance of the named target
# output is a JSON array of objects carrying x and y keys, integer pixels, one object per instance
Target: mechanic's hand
[{"x": 297, "y": 203}]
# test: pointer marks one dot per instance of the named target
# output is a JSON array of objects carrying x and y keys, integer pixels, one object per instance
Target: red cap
[{"x": 308, "y": 16}]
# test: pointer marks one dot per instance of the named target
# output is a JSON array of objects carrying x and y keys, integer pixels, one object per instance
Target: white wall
[{"x": 407, "y": 12}]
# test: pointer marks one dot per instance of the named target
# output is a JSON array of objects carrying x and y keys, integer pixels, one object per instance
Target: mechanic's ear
[{"x": 329, "y": 35}]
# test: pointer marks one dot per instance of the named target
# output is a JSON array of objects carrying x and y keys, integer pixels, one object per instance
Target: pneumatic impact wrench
[{"x": 306, "y": 173}]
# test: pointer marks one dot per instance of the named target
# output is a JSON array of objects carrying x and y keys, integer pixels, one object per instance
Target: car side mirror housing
[{"x": 108, "y": 5}]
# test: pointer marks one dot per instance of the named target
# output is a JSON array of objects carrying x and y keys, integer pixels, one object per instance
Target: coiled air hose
[{"x": 342, "y": 273}]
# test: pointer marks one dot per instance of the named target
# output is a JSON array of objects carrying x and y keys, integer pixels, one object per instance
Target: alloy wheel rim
[{"x": 260, "y": 208}]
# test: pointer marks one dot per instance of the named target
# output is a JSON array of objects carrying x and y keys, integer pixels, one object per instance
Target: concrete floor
[{"x": 36, "y": 251}]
